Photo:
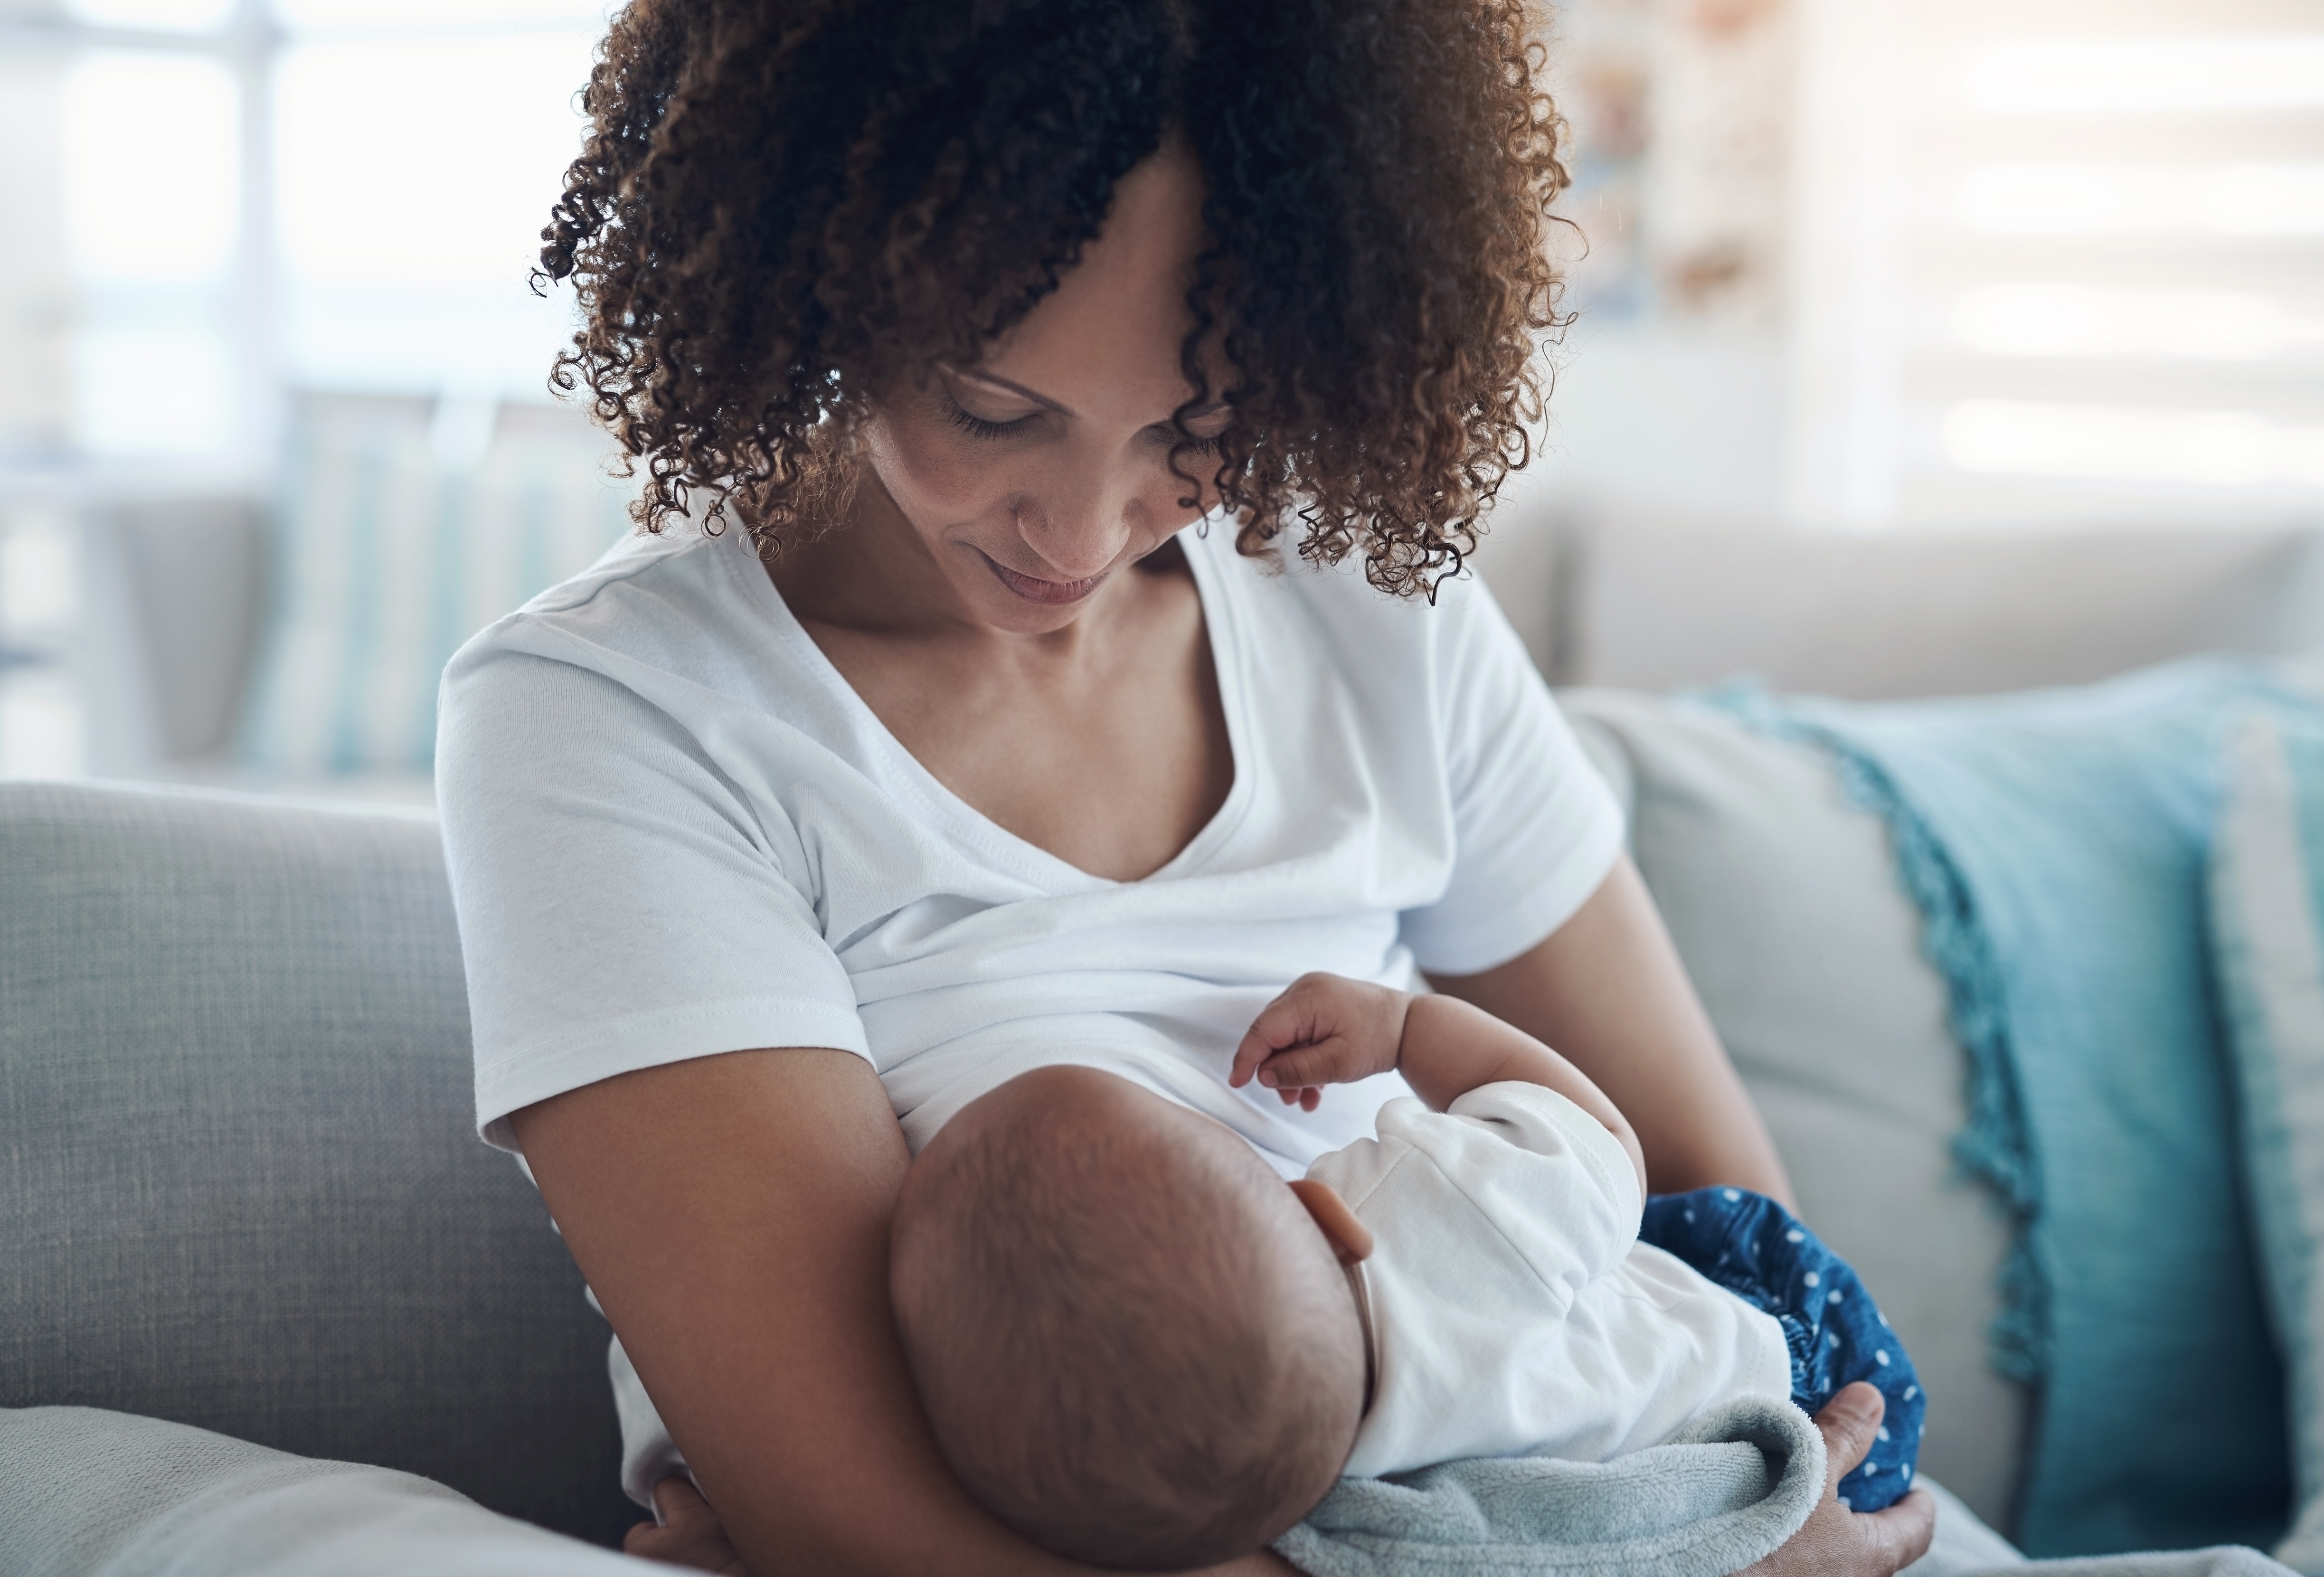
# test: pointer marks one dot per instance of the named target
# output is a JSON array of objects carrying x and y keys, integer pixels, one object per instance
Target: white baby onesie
[{"x": 1515, "y": 1313}]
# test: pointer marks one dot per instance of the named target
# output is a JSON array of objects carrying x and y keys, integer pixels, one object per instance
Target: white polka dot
[
  {"x": 1881, "y": 1357},
  {"x": 1795, "y": 1236},
  {"x": 1907, "y": 1472},
  {"x": 1831, "y": 1340},
  {"x": 1690, "y": 1215},
  {"x": 1870, "y": 1469},
  {"x": 1732, "y": 1195},
  {"x": 1884, "y": 1433},
  {"x": 1881, "y": 1318},
  {"x": 1911, "y": 1391},
  {"x": 1812, "y": 1279},
  {"x": 1845, "y": 1503},
  {"x": 1832, "y": 1296}
]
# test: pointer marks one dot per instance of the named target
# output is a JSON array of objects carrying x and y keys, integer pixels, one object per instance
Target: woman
[{"x": 945, "y": 748}]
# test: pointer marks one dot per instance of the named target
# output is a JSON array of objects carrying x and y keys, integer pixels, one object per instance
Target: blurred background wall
[{"x": 274, "y": 434}]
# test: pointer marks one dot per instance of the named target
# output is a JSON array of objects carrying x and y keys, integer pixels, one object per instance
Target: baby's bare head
[{"x": 1134, "y": 1345}]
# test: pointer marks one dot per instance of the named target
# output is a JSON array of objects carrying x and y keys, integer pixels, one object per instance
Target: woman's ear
[{"x": 1349, "y": 1239}]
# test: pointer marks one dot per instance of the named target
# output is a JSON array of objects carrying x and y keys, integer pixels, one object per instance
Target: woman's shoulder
[
  {"x": 679, "y": 615},
  {"x": 643, "y": 597},
  {"x": 659, "y": 646}
]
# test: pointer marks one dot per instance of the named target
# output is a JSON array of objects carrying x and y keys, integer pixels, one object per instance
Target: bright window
[
  {"x": 209, "y": 202},
  {"x": 2076, "y": 251}
]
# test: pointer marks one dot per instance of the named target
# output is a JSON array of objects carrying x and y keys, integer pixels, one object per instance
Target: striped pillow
[
  {"x": 384, "y": 559},
  {"x": 2267, "y": 943}
]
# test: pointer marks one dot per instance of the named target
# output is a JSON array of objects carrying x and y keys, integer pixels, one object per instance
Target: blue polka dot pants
[{"x": 1750, "y": 1245}]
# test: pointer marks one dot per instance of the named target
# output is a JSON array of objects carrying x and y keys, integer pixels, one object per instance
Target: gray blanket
[{"x": 1732, "y": 1488}]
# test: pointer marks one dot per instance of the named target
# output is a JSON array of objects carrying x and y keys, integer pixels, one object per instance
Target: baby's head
[{"x": 1133, "y": 1342}]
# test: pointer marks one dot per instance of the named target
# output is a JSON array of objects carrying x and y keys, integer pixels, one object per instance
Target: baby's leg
[{"x": 1752, "y": 1247}]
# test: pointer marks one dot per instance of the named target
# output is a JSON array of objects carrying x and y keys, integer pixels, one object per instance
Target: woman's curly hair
[{"x": 785, "y": 205}]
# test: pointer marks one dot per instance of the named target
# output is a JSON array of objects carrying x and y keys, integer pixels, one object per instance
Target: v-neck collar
[{"x": 972, "y": 826}]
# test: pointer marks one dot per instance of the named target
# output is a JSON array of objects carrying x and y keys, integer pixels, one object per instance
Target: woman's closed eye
[
  {"x": 980, "y": 427},
  {"x": 1203, "y": 430}
]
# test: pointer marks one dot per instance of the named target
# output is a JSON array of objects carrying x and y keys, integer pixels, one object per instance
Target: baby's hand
[{"x": 1326, "y": 1029}]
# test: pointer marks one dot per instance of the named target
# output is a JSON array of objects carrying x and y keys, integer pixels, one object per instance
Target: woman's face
[{"x": 1034, "y": 477}]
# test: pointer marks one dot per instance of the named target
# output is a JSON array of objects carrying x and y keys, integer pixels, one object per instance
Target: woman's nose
[{"x": 1079, "y": 526}]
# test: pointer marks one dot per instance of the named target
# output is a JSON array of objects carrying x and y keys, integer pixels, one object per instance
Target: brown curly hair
[{"x": 785, "y": 205}]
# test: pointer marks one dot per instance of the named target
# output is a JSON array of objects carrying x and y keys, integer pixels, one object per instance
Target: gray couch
[
  {"x": 243, "y": 1192},
  {"x": 243, "y": 1188}
]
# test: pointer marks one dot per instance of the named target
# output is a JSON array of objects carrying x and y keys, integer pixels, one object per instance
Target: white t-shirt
[
  {"x": 1514, "y": 1311},
  {"x": 673, "y": 830}
]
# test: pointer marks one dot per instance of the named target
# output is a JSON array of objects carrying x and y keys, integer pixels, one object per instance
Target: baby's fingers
[
  {"x": 1305, "y": 1066},
  {"x": 1289, "y": 1021}
]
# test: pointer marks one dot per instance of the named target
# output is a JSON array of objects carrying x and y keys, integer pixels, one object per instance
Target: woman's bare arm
[
  {"x": 1606, "y": 990},
  {"x": 732, "y": 1214}
]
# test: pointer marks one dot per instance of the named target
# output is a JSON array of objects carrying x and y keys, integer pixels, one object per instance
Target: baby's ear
[{"x": 1349, "y": 1239}]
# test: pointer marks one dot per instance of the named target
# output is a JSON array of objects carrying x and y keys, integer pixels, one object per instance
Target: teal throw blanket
[{"x": 2055, "y": 844}]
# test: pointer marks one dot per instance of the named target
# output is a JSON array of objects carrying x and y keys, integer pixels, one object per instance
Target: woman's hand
[
  {"x": 1835, "y": 1542},
  {"x": 689, "y": 1532}
]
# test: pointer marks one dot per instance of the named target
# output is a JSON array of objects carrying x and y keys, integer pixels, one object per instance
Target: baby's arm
[{"x": 1327, "y": 1029}]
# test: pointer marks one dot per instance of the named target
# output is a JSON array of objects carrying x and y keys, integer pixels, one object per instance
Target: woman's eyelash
[{"x": 977, "y": 427}]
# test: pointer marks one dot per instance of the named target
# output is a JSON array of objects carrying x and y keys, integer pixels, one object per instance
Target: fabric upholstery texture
[
  {"x": 2267, "y": 940},
  {"x": 1650, "y": 600},
  {"x": 243, "y": 1188},
  {"x": 99, "y": 1494},
  {"x": 2055, "y": 843},
  {"x": 1782, "y": 899}
]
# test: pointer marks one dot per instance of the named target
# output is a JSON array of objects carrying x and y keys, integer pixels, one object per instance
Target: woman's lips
[{"x": 1034, "y": 589}]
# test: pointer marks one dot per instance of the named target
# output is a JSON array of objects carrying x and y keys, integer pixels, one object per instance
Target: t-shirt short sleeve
[
  {"x": 622, "y": 905},
  {"x": 1535, "y": 827}
]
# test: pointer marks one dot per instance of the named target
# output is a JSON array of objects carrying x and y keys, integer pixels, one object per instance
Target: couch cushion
[
  {"x": 95, "y": 1494},
  {"x": 1784, "y": 902},
  {"x": 2266, "y": 881},
  {"x": 243, "y": 1189},
  {"x": 1648, "y": 601}
]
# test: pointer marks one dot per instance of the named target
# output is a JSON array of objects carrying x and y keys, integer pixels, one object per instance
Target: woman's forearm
[
  {"x": 1606, "y": 990},
  {"x": 732, "y": 1214}
]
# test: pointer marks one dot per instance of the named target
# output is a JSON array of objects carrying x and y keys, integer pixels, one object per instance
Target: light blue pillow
[
  {"x": 2267, "y": 939},
  {"x": 384, "y": 559}
]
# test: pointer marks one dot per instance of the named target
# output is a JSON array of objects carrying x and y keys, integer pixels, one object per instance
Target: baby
[{"x": 1138, "y": 1348}]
